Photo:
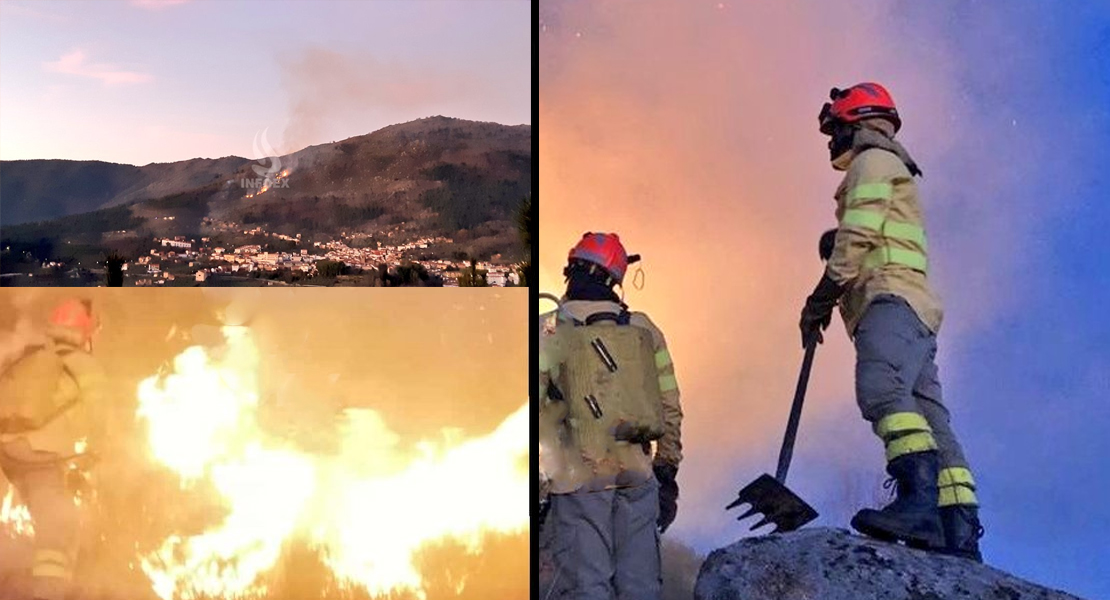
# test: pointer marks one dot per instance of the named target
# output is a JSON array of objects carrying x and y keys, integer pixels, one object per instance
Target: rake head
[{"x": 776, "y": 503}]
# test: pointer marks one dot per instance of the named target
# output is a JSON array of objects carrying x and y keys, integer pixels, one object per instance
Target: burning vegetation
[
  {"x": 207, "y": 499},
  {"x": 279, "y": 180}
]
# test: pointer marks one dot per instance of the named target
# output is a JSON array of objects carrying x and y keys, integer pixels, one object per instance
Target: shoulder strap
[{"x": 622, "y": 318}]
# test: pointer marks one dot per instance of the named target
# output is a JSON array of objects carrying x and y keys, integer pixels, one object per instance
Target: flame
[
  {"x": 14, "y": 517},
  {"x": 379, "y": 523},
  {"x": 369, "y": 509},
  {"x": 285, "y": 173}
]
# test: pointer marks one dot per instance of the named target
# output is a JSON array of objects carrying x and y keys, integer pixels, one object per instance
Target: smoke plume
[
  {"x": 328, "y": 89},
  {"x": 691, "y": 130}
]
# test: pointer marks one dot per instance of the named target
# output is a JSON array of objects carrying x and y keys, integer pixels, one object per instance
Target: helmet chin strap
[
  {"x": 840, "y": 145},
  {"x": 840, "y": 141}
]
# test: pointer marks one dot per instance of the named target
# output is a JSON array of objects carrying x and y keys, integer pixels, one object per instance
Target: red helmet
[
  {"x": 604, "y": 250},
  {"x": 75, "y": 314},
  {"x": 861, "y": 101}
]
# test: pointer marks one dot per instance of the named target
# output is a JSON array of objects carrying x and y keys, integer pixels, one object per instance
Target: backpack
[
  {"x": 27, "y": 389},
  {"x": 609, "y": 381}
]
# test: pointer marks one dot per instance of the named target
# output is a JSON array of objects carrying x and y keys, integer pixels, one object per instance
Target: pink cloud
[
  {"x": 157, "y": 4},
  {"x": 75, "y": 63}
]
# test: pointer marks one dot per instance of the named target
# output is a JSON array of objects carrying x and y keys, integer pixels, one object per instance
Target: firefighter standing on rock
[{"x": 877, "y": 273}]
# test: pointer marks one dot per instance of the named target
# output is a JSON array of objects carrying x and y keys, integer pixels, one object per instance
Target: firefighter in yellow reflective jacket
[
  {"x": 44, "y": 394},
  {"x": 608, "y": 395},
  {"x": 878, "y": 273}
]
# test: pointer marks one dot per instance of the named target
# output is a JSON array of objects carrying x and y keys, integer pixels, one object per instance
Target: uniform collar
[{"x": 579, "y": 310}]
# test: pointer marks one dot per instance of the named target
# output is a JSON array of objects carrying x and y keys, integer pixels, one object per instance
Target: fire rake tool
[{"x": 769, "y": 495}]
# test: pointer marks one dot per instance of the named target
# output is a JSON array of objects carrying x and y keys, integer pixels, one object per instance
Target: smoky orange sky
[
  {"x": 690, "y": 128},
  {"x": 425, "y": 361}
]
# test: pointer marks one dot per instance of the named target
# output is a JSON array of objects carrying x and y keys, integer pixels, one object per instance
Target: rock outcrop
[{"x": 832, "y": 564}]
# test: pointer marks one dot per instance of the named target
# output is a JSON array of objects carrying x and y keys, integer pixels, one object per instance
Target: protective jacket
[
  {"x": 46, "y": 393},
  {"x": 880, "y": 242},
  {"x": 628, "y": 463}
]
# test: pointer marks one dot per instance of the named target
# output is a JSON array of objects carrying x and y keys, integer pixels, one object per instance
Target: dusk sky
[
  {"x": 691, "y": 129},
  {"x": 140, "y": 81}
]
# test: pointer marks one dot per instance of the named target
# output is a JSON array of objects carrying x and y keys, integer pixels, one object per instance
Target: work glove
[
  {"x": 826, "y": 245},
  {"x": 668, "y": 494},
  {"x": 817, "y": 313}
]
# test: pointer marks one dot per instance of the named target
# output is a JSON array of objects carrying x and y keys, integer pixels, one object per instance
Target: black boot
[
  {"x": 913, "y": 517},
  {"x": 962, "y": 531}
]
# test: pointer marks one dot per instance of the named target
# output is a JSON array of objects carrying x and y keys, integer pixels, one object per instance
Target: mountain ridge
[
  {"x": 94, "y": 184},
  {"x": 435, "y": 177}
]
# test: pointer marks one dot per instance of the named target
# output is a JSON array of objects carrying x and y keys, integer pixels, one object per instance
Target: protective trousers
[
  {"x": 605, "y": 545},
  {"x": 39, "y": 477},
  {"x": 899, "y": 392}
]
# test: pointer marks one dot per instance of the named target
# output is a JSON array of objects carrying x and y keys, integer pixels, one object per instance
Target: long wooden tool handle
[{"x": 787, "y": 450}]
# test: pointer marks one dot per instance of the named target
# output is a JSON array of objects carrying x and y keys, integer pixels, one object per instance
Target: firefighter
[
  {"x": 878, "y": 274},
  {"x": 44, "y": 394},
  {"x": 609, "y": 394}
]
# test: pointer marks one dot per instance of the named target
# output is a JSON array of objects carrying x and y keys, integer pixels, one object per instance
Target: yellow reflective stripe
[
  {"x": 901, "y": 422},
  {"x": 905, "y": 231},
  {"x": 53, "y": 556},
  {"x": 667, "y": 383},
  {"x": 51, "y": 570},
  {"x": 908, "y": 444},
  {"x": 887, "y": 255},
  {"x": 957, "y": 494},
  {"x": 51, "y": 563},
  {"x": 858, "y": 217},
  {"x": 868, "y": 219},
  {"x": 954, "y": 476},
  {"x": 870, "y": 190},
  {"x": 662, "y": 358}
]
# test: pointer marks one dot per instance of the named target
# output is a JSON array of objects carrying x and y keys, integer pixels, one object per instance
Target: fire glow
[
  {"x": 280, "y": 180},
  {"x": 14, "y": 517},
  {"x": 368, "y": 508}
]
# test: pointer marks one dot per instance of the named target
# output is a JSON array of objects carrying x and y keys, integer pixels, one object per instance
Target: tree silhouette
[
  {"x": 114, "y": 275},
  {"x": 412, "y": 275},
  {"x": 526, "y": 227},
  {"x": 472, "y": 276},
  {"x": 329, "y": 269}
]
